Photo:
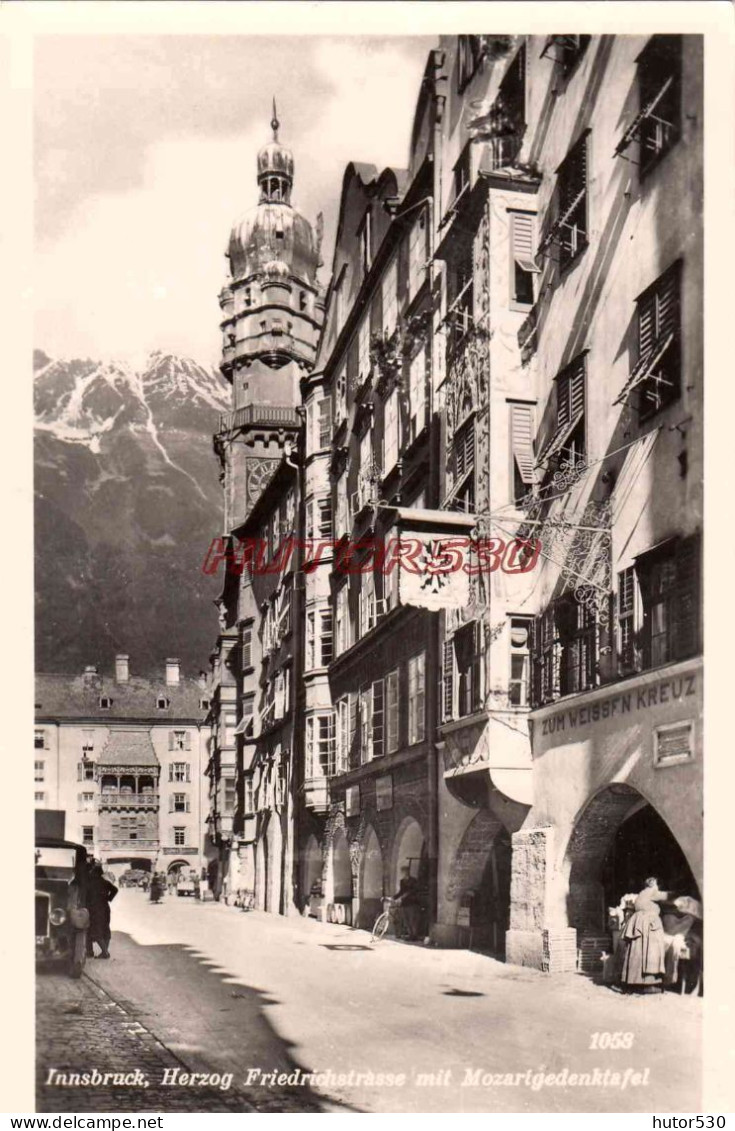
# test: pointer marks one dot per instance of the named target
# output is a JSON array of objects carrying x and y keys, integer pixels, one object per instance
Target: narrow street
[{"x": 203, "y": 988}]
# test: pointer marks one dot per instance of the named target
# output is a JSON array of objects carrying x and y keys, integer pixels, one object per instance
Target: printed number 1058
[{"x": 612, "y": 1040}]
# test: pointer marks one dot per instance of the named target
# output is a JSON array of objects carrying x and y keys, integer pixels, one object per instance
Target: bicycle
[{"x": 384, "y": 920}]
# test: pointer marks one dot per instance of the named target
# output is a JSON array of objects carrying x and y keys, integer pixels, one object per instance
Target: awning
[{"x": 559, "y": 439}]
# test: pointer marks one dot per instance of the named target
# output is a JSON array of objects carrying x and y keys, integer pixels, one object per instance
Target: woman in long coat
[
  {"x": 100, "y": 894},
  {"x": 643, "y": 938}
]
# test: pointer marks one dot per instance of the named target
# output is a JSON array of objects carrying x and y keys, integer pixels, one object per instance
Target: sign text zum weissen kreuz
[{"x": 659, "y": 694}]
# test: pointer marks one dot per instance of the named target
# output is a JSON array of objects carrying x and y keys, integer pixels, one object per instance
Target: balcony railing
[
  {"x": 259, "y": 414},
  {"x": 112, "y": 799}
]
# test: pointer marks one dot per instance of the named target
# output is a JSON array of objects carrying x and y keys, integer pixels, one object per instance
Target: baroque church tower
[{"x": 272, "y": 307}]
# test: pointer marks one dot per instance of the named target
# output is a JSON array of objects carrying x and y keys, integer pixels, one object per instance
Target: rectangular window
[
  {"x": 179, "y": 803},
  {"x": 343, "y": 625},
  {"x": 521, "y": 447},
  {"x": 248, "y": 795},
  {"x": 366, "y": 257},
  {"x": 39, "y": 739},
  {"x": 417, "y": 395},
  {"x": 320, "y": 745},
  {"x": 570, "y": 405},
  {"x": 519, "y": 685},
  {"x": 179, "y": 837},
  {"x": 657, "y": 125},
  {"x": 38, "y": 768},
  {"x": 88, "y": 835},
  {"x": 366, "y": 453},
  {"x": 577, "y": 630},
  {"x": 657, "y": 374},
  {"x": 391, "y": 712},
  {"x": 522, "y": 259},
  {"x": 247, "y": 646},
  {"x": 391, "y": 439},
  {"x": 468, "y": 664},
  {"x": 416, "y": 698},
  {"x": 340, "y": 397},
  {"x": 417, "y": 255},
  {"x": 324, "y": 517},
  {"x": 570, "y": 232},
  {"x": 324, "y": 423},
  {"x": 87, "y": 742},
  {"x": 347, "y": 711},
  {"x": 39, "y": 797},
  {"x": 567, "y": 443},
  {"x": 326, "y": 648},
  {"x": 669, "y": 584},
  {"x": 363, "y": 349},
  {"x": 343, "y": 510},
  {"x": 389, "y": 290},
  {"x": 629, "y": 658},
  {"x": 366, "y": 723},
  {"x": 85, "y": 771},
  {"x": 463, "y": 492},
  {"x": 179, "y": 740},
  {"x": 377, "y": 718},
  {"x": 469, "y": 56},
  {"x": 367, "y": 603},
  {"x": 179, "y": 771}
]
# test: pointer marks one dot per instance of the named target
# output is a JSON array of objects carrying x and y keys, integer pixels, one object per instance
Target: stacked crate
[{"x": 559, "y": 950}]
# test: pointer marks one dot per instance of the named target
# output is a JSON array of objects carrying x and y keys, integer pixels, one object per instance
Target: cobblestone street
[
  {"x": 204, "y": 988},
  {"x": 81, "y": 1028}
]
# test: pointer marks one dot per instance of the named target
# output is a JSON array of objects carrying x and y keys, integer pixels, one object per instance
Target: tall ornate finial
[{"x": 274, "y": 121}]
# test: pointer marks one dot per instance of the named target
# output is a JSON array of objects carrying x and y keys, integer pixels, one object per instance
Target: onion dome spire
[{"x": 275, "y": 168}]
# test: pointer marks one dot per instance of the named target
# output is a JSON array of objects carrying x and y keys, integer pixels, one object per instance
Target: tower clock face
[{"x": 259, "y": 472}]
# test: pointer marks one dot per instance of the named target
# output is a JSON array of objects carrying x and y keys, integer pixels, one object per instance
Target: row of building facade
[{"x": 509, "y": 349}]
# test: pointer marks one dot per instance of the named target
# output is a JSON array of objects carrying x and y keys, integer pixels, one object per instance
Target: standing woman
[{"x": 643, "y": 938}]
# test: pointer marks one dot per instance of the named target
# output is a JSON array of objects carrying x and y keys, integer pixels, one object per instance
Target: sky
[{"x": 144, "y": 156}]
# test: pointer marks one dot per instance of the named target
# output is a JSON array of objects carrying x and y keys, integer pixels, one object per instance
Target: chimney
[
  {"x": 90, "y": 677},
  {"x": 122, "y": 669},
  {"x": 172, "y": 673}
]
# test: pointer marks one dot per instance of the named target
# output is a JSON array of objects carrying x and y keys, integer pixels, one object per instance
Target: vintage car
[{"x": 62, "y": 919}]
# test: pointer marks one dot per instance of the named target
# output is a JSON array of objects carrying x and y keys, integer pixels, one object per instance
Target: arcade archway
[
  {"x": 311, "y": 871},
  {"x": 371, "y": 880},
  {"x": 341, "y": 868},
  {"x": 618, "y": 841}
]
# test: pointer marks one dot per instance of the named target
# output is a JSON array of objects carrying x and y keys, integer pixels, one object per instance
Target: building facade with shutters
[
  {"x": 583, "y": 164},
  {"x": 272, "y": 310},
  {"x": 124, "y": 758},
  {"x": 512, "y": 356}
]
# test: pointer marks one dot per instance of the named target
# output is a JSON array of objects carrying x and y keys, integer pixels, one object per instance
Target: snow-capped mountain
[{"x": 127, "y": 501}]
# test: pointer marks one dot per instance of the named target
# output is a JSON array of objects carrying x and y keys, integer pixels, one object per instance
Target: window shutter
[
  {"x": 522, "y": 224},
  {"x": 187, "y": 741},
  {"x": 171, "y": 771},
  {"x": 448, "y": 680},
  {"x": 45, "y": 740},
  {"x": 377, "y": 717},
  {"x": 576, "y": 381},
  {"x": 685, "y": 611},
  {"x": 563, "y": 405},
  {"x": 521, "y": 433},
  {"x": 667, "y": 304},
  {"x": 188, "y": 805},
  {"x": 171, "y": 740},
  {"x": 392, "y": 712},
  {"x": 646, "y": 325},
  {"x": 80, "y": 771},
  {"x": 171, "y": 808}
]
